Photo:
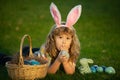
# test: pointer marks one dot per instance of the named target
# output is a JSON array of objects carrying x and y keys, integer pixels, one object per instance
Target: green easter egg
[{"x": 99, "y": 69}]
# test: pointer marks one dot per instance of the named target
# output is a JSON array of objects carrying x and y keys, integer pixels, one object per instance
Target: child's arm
[
  {"x": 54, "y": 66},
  {"x": 69, "y": 66}
]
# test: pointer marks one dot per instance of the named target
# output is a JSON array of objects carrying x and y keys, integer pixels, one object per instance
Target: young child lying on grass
[
  {"x": 62, "y": 44},
  {"x": 63, "y": 38}
]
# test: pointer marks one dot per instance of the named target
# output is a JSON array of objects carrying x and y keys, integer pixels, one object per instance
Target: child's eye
[
  {"x": 60, "y": 37},
  {"x": 68, "y": 38}
]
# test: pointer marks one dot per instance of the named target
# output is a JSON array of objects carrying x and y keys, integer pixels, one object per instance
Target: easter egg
[
  {"x": 65, "y": 53},
  {"x": 96, "y": 66},
  {"x": 26, "y": 62},
  {"x": 93, "y": 69},
  {"x": 104, "y": 67},
  {"x": 99, "y": 69},
  {"x": 110, "y": 70},
  {"x": 34, "y": 62}
]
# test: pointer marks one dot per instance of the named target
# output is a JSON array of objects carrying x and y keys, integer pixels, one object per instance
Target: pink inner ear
[
  {"x": 55, "y": 14},
  {"x": 56, "y": 18},
  {"x": 73, "y": 16}
]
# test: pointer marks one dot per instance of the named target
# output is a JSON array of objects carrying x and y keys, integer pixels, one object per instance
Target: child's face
[{"x": 63, "y": 41}]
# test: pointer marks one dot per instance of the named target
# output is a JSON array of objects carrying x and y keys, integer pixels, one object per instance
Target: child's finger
[{"x": 64, "y": 58}]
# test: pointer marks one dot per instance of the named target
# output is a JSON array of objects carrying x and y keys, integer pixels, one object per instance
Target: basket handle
[{"x": 21, "y": 62}]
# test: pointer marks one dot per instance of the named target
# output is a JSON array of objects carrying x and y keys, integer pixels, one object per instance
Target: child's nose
[{"x": 64, "y": 41}]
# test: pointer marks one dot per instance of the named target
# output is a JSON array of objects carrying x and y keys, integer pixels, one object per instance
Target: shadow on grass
[
  {"x": 78, "y": 76},
  {"x": 3, "y": 73},
  {"x": 60, "y": 75}
]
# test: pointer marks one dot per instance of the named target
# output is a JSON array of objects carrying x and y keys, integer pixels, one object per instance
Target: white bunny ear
[
  {"x": 55, "y": 14},
  {"x": 73, "y": 16},
  {"x": 90, "y": 60}
]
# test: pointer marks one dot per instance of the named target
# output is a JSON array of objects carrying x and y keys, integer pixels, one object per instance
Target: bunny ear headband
[{"x": 72, "y": 17}]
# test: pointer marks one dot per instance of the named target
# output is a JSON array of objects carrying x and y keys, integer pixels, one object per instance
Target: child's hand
[
  {"x": 64, "y": 53},
  {"x": 62, "y": 58}
]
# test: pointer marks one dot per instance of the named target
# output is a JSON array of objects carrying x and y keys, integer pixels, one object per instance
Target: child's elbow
[
  {"x": 70, "y": 72},
  {"x": 51, "y": 72}
]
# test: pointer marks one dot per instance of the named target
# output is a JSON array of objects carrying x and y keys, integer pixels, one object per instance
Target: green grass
[{"x": 97, "y": 29}]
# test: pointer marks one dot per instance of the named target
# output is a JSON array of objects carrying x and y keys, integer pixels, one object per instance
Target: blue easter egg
[
  {"x": 95, "y": 66},
  {"x": 26, "y": 62},
  {"x": 93, "y": 69},
  {"x": 104, "y": 67}
]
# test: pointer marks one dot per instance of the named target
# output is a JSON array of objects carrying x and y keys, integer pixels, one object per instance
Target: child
[{"x": 63, "y": 37}]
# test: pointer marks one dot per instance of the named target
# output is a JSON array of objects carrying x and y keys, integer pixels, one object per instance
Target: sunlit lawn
[{"x": 98, "y": 31}]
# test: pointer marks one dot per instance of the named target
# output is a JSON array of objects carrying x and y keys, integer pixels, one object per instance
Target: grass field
[{"x": 98, "y": 30}]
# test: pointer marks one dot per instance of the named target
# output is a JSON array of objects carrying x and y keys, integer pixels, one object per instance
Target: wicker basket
[{"x": 21, "y": 71}]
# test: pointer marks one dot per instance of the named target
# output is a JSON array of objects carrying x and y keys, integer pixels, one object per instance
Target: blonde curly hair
[{"x": 50, "y": 46}]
